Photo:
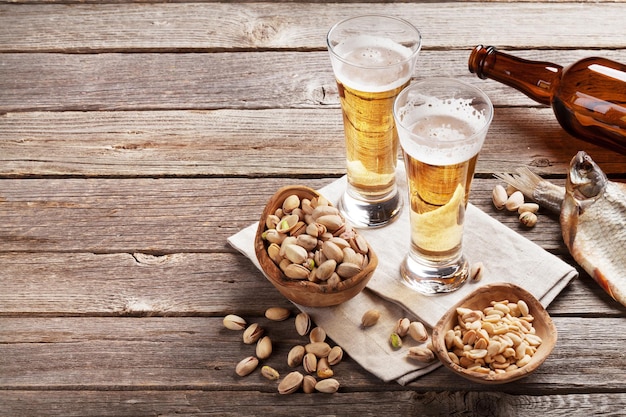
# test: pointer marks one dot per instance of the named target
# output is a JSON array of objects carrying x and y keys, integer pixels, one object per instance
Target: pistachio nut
[
  {"x": 271, "y": 221},
  {"x": 290, "y": 383},
  {"x": 514, "y": 201},
  {"x": 324, "y": 210},
  {"x": 264, "y": 348},
  {"x": 418, "y": 331},
  {"x": 323, "y": 369},
  {"x": 335, "y": 356},
  {"x": 332, "y": 222},
  {"x": 277, "y": 313},
  {"x": 296, "y": 271},
  {"x": 303, "y": 324},
  {"x": 359, "y": 244},
  {"x": 246, "y": 366},
  {"x": 270, "y": 373},
  {"x": 499, "y": 197},
  {"x": 370, "y": 318},
  {"x": 308, "y": 384},
  {"x": 309, "y": 363},
  {"x": 273, "y": 251},
  {"x": 295, "y": 356},
  {"x": 317, "y": 335},
  {"x": 319, "y": 349},
  {"x": 421, "y": 353},
  {"x": 273, "y": 236},
  {"x": 291, "y": 203},
  {"x": 528, "y": 219},
  {"x": 234, "y": 322},
  {"x": 395, "y": 341},
  {"x": 252, "y": 333},
  {"x": 296, "y": 254},
  {"x": 328, "y": 386},
  {"x": 326, "y": 269},
  {"x": 402, "y": 327},
  {"x": 348, "y": 270},
  {"x": 332, "y": 251},
  {"x": 308, "y": 242},
  {"x": 477, "y": 271},
  {"x": 287, "y": 223},
  {"x": 530, "y": 207}
]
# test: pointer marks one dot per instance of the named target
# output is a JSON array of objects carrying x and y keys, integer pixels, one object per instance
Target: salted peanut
[
  {"x": 499, "y": 197},
  {"x": 514, "y": 201},
  {"x": 319, "y": 349},
  {"x": 421, "y": 353},
  {"x": 303, "y": 324},
  {"x": 264, "y": 348},
  {"x": 453, "y": 357},
  {"x": 523, "y": 308},
  {"x": 418, "y": 331},
  {"x": 270, "y": 373},
  {"x": 528, "y": 219},
  {"x": 309, "y": 363},
  {"x": 291, "y": 383},
  {"x": 449, "y": 339},
  {"x": 252, "y": 333},
  {"x": 327, "y": 386},
  {"x": 246, "y": 366},
  {"x": 295, "y": 356},
  {"x": 234, "y": 322},
  {"x": 370, "y": 318},
  {"x": 476, "y": 353},
  {"x": 277, "y": 313},
  {"x": 317, "y": 335},
  {"x": 335, "y": 356},
  {"x": 308, "y": 384}
]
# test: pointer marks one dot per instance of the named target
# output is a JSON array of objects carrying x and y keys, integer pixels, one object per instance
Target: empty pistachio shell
[
  {"x": 303, "y": 324},
  {"x": 270, "y": 373},
  {"x": 264, "y": 348},
  {"x": 328, "y": 386},
  {"x": 277, "y": 313},
  {"x": 234, "y": 322},
  {"x": 291, "y": 383},
  {"x": 370, "y": 318},
  {"x": 246, "y": 366},
  {"x": 317, "y": 335},
  {"x": 295, "y": 356},
  {"x": 335, "y": 356},
  {"x": 252, "y": 333}
]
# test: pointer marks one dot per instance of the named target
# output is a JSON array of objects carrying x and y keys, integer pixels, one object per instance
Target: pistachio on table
[
  {"x": 290, "y": 383},
  {"x": 370, "y": 318},
  {"x": 252, "y": 333},
  {"x": 246, "y": 366},
  {"x": 303, "y": 324},
  {"x": 277, "y": 313},
  {"x": 234, "y": 322}
]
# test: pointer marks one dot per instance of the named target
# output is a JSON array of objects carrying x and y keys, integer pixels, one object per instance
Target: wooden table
[{"x": 136, "y": 137}]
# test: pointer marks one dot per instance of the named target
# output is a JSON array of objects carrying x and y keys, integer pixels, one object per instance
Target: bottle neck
[{"x": 538, "y": 80}]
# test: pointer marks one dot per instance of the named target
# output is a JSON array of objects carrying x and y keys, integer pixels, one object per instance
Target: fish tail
[{"x": 536, "y": 188}]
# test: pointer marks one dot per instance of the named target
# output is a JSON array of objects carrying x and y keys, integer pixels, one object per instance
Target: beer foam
[
  {"x": 372, "y": 64},
  {"x": 441, "y": 132}
]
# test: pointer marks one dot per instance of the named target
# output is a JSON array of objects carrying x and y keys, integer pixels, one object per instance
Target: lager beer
[
  {"x": 371, "y": 68},
  {"x": 441, "y": 136}
]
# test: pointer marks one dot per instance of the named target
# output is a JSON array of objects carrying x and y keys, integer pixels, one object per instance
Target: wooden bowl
[
  {"x": 305, "y": 292},
  {"x": 481, "y": 298}
]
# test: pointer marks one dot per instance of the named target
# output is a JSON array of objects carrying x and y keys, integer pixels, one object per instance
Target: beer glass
[
  {"x": 442, "y": 124},
  {"x": 373, "y": 58}
]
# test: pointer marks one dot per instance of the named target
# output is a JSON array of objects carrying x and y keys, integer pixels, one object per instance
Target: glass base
[
  {"x": 375, "y": 213},
  {"x": 429, "y": 278}
]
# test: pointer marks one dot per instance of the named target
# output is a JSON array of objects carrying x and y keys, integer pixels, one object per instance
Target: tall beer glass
[
  {"x": 442, "y": 124},
  {"x": 373, "y": 58}
]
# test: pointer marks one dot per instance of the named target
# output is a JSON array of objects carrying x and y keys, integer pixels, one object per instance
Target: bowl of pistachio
[
  {"x": 497, "y": 334},
  {"x": 308, "y": 251}
]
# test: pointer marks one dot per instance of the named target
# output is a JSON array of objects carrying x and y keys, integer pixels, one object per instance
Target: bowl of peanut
[
  {"x": 497, "y": 334},
  {"x": 308, "y": 251}
]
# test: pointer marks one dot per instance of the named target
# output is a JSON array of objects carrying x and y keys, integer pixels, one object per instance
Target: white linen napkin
[{"x": 507, "y": 257}]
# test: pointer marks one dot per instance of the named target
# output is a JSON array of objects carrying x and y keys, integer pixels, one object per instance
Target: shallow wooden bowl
[
  {"x": 305, "y": 292},
  {"x": 481, "y": 298}
]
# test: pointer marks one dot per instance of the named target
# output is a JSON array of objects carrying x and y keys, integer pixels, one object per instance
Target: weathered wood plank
[
  {"x": 274, "y": 142},
  {"x": 376, "y": 403},
  {"x": 202, "y": 81},
  {"x": 81, "y": 284},
  {"x": 198, "y": 353},
  {"x": 220, "y": 26}
]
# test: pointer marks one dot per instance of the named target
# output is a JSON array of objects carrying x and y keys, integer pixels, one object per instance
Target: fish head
[{"x": 585, "y": 179}]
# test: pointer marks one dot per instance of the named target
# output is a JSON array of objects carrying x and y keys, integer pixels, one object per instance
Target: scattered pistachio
[
  {"x": 402, "y": 327},
  {"x": 303, "y": 324},
  {"x": 323, "y": 369},
  {"x": 319, "y": 349},
  {"x": 290, "y": 383},
  {"x": 234, "y": 322},
  {"x": 499, "y": 197},
  {"x": 421, "y": 353},
  {"x": 418, "y": 331},
  {"x": 308, "y": 384},
  {"x": 531, "y": 207},
  {"x": 270, "y": 373},
  {"x": 295, "y": 356},
  {"x": 370, "y": 318},
  {"x": 528, "y": 219},
  {"x": 264, "y": 348},
  {"x": 252, "y": 333},
  {"x": 335, "y": 356},
  {"x": 309, "y": 363},
  {"x": 476, "y": 271},
  {"x": 246, "y": 366},
  {"x": 277, "y": 313},
  {"x": 514, "y": 201},
  {"x": 328, "y": 386},
  {"x": 395, "y": 341}
]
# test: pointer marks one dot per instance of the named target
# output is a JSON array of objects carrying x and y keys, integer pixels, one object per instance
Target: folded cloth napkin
[{"x": 506, "y": 255}]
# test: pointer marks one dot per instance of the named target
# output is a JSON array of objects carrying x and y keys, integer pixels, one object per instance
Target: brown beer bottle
[{"x": 588, "y": 97}]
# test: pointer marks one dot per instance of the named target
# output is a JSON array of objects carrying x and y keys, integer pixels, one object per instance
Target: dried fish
[{"x": 592, "y": 216}]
